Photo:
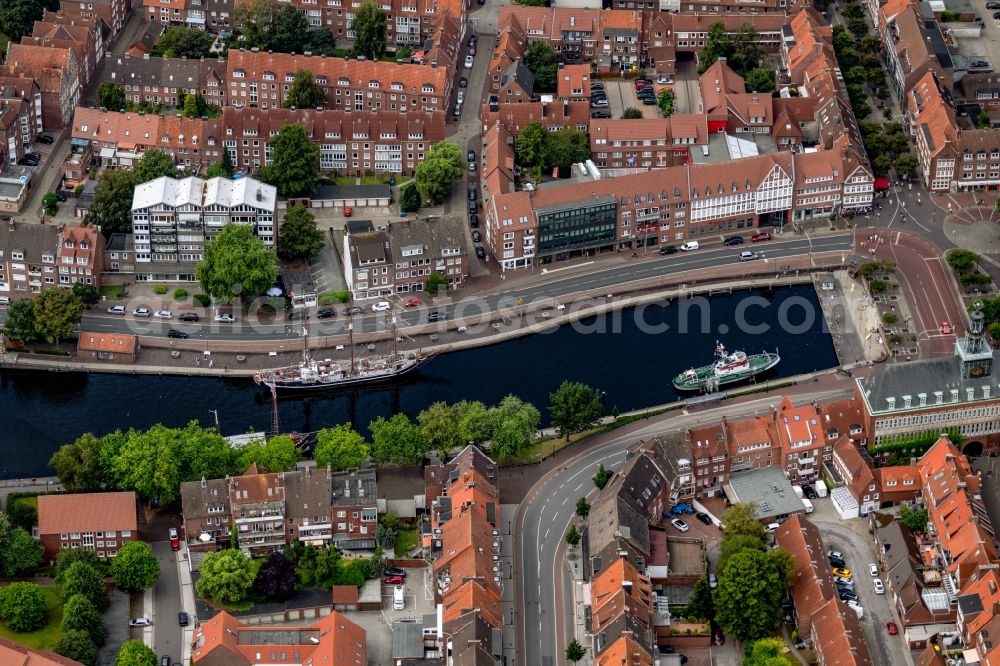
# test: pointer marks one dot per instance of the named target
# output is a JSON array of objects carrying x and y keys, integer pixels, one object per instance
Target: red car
[
  {"x": 891, "y": 626},
  {"x": 411, "y": 302},
  {"x": 946, "y": 328},
  {"x": 395, "y": 580},
  {"x": 347, "y": 211},
  {"x": 175, "y": 542},
  {"x": 762, "y": 236}
]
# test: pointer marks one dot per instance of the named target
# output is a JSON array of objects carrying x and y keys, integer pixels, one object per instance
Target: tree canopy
[
  {"x": 18, "y": 16},
  {"x": 135, "y": 568},
  {"x": 81, "y": 578},
  {"x": 439, "y": 424},
  {"x": 914, "y": 519},
  {"x": 294, "y": 158},
  {"x": 631, "y": 113},
  {"x": 183, "y": 42},
  {"x": 299, "y": 236},
  {"x": 276, "y": 578},
  {"x": 236, "y": 264},
  {"x": 268, "y": 26},
  {"x": 748, "y": 598},
  {"x": 409, "y": 199},
  {"x": 741, "y": 49},
  {"x": 443, "y": 164},
  {"x": 540, "y": 58},
  {"x": 398, "y": 440},
  {"x": 277, "y": 454},
  {"x": 761, "y": 80},
  {"x": 369, "y": 31},
  {"x": 22, "y": 606},
  {"x": 340, "y": 447},
  {"x": 514, "y": 426},
  {"x": 224, "y": 167},
  {"x": 226, "y": 576},
  {"x": 135, "y": 653},
  {"x": 574, "y": 406},
  {"x": 20, "y": 324},
  {"x": 153, "y": 164},
  {"x": 111, "y": 96},
  {"x": 112, "y": 207},
  {"x": 80, "y": 614},
  {"x": 57, "y": 312},
  {"x": 305, "y": 93},
  {"x": 77, "y": 645}
]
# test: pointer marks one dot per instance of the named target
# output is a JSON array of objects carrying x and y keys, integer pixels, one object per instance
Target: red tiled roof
[
  {"x": 87, "y": 512},
  {"x": 121, "y": 343},
  {"x": 15, "y": 654}
]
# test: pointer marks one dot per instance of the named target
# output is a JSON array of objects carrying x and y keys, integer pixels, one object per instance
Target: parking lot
[{"x": 621, "y": 96}]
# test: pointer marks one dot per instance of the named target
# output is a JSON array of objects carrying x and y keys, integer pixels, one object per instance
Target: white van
[
  {"x": 808, "y": 505},
  {"x": 748, "y": 255},
  {"x": 689, "y": 246},
  {"x": 398, "y": 601},
  {"x": 772, "y": 527},
  {"x": 4, "y": 300}
]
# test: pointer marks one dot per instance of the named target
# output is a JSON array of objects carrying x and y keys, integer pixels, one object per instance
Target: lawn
[
  {"x": 346, "y": 181},
  {"x": 374, "y": 180},
  {"x": 46, "y": 637},
  {"x": 30, "y": 501},
  {"x": 113, "y": 292},
  {"x": 406, "y": 541}
]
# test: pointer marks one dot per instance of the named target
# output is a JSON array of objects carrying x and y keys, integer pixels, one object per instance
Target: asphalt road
[
  {"x": 541, "y": 576},
  {"x": 553, "y": 287},
  {"x": 167, "y": 636}
]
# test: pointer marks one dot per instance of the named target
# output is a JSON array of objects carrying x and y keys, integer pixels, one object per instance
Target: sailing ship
[
  {"x": 728, "y": 368},
  {"x": 330, "y": 374}
]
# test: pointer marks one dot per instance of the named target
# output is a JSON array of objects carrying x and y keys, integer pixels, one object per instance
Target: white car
[
  {"x": 140, "y": 622},
  {"x": 461, "y": 96},
  {"x": 225, "y": 318},
  {"x": 680, "y": 524},
  {"x": 116, "y": 310},
  {"x": 689, "y": 246},
  {"x": 140, "y": 312},
  {"x": 663, "y": 79},
  {"x": 164, "y": 314},
  {"x": 468, "y": 61},
  {"x": 873, "y": 570},
  {"x": 879, "y": 587},
  {"x": 381, "y": 306}
]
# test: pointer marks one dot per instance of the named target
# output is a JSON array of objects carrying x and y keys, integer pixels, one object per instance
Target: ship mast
[
  {"x": 350, "y": 344},
  {"x": 392, "y": 331},
  {"x": 305, "y": 345}
]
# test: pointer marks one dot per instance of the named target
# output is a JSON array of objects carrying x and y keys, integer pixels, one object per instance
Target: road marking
[
  {"x": 579, "y": 486},
  {"x": 546, "y": 533},
  {"x": 564, "y": 500}
]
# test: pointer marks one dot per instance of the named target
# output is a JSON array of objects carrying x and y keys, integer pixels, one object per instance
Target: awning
[
  {"x": 107, "y": 152},
  {"x": 77, "y": 141},
  {"x": 881, "y": 183}
]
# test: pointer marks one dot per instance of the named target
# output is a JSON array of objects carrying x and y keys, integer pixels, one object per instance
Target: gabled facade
[
  {"x": 101, "y": 522},
  {"x": 57, "y": 73}
]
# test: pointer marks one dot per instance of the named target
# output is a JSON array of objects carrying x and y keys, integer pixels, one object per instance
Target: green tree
[
  {"x": 236, "y": 263},
  {"x": 275, "y": 579},
  {"x": 305, "y": 93},
  {"x": 767, "y": 652},
  {"x": 962, "y": 261},
  {"x": 294, "y": 158},
  {"x": 602, "y": 477},
  {"x": 255, "y": 21},
  {"x": 135, "y": 567},
  {"x": 741, "y": 518},
  {"x": 21, "y": 555},
  {"x": 87, "y": 293},
  {"x": 149, "y": 466},
  {"x": 183, "y": 42},
  {"x": 80, "y": 614},
  {"x": 665, "y": 100},
  {"x": 575, "y": 652},
  {"x": 50, "y": 204},
  {"x": 226, "y": 576},
  {"x": 631, "y": 113},
  {"x": 224, "y": 167},
  {"x": 915, "y": 519},
  {"x": 514, "y": 427},
  {"x": 435, "y": 282},
  {"x": 761, "y": 80},
  {"x": 574, "y": 406},
  {"x": 748, "y": 598},
  {"x": 77, "y": 645},
  {"x": 299, "y": 236},
  {"x": 369, "y": 31},
  {"x": 22, "y": 515},
  {"x": 288, "y": 32},
  {"x": 22, "y": 607},
  {"x": 65, "y": 558},
  {"x": 57, "y": 312},
  {"x": 111, "y": 96},
  {"x": 409, "y": 199},
  {"x": 340, "y": 448},
  {"x": 135, "y": 653},
  {"x": 78, "y": 465},
  {"x": 112, "y": 207},
  {"x": 17, "y": 17},
  {"x": 701, "y": 606},
  {"x": 81, "y": 578},
  {"x": 582, "y": 508},
  {"x": 385, "y": 537},
  {"x": 566, "y": 147},
  {"x": 277, "y": 454},
  {"x": 540, "y": 58},
  {"x": 20, "y": 324},
  {"x": 905, "y": 165},
  {"x": 474, "y": 422},
  {"x": 531, "y": 145},
  {"x": 397, "y": 440},
  {"x": 442, "y": 165},
  {"x": 573, "y": 535},
  {"x": 736, "y": 543},
  {"x": 439, "y": 425},
  {"x": 153, "y": 164},
  {"x": 190, "y": 108}
]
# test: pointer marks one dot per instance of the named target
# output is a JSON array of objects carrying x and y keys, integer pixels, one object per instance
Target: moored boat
[{"x": 728, "y": 368}]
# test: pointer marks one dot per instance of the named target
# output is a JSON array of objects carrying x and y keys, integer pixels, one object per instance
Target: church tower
[{"x": 973, "y": 350}]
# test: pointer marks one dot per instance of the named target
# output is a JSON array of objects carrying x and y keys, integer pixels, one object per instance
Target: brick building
[
  {"x": 162, "y": 80},
  {"x": 57, "y": 73},
  {"x": 116, "y": 348},
  {"x": 102, "y": 522},
  {"x": 27, "y": 259},
  {"x": 80, "y": 257},
  {"x": 113, "y": 12}
]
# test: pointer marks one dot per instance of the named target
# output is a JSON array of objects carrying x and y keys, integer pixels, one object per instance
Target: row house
[
  {"x": 810, "y": 41},
  {"x": 912, "y": 47},
  {"x": 15, "y": 653},
  {"x": 84, "y": 41},
  {"x": 101, "y": 522},
  {"x": 28, "y": 259},
  {"x": 211, "y": 15},
  {"x": 496, "y": 175},
  {"x": 57, "y": 73},
  {"x": 939, "y": 394},
  {"x": 349, "y": 143},
  {"x": 622, "y": 146},
  {"x": 869, "y": 488},
  {"x": 611, "y": 37},
  {"x": 837, "y": 637},
  {"x": 272, "y": 509},
  {"x": 225, "y": 640},
  {"x": 508, "y": 49},
  {"x": 367, "y": 259},
  {"x": 707, "y": 6},
  {"x": 173, "y": 220},
  {"x": 113, "y": 13},
  {"x": 166, "y": 80},
  {"x": 80, "y": 257},
  {"x": 621, "y": 602},
  {"x": 464, "y": 543},
  {"x": 20, "y": 116},
  {"x": 408, "y": 22},
  {"x": 811, "y": 587},
  {"x": 515, "y": 104},
  {"x": 257, "y": 78},
  {"x": 669, "y": 205},
  {"x": 666, "y": 34}
]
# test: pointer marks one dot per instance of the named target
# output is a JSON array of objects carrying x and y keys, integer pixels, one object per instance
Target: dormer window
[
  {"x": 343, "y": 81},
  {"x": 373, "y": 84},
  {"x": 427, "y": 88}
]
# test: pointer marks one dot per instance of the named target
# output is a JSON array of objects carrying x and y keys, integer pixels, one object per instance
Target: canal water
[{"x": 631, "y": 356}]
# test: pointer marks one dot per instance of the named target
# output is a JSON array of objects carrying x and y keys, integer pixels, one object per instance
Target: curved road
[{"x": 543, "y": 606}]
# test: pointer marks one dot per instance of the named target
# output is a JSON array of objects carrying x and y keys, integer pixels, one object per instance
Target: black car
[
  {"x": 600, "y": 113},
  {"x": 472, "y": 156},
  {"x": 48, "y": 140},
  {"x": 476, "y": 237},
  {"x": 480, "y": 252},
  {"x": 59, "y": 196},
  {"x": 703, "y": 517},
  {"x": 183, "y": 619},
  {"x": 473, "y": 220},
  {"x": 326, "y": 313},
  {"x": 188, "y": 316},
  {"x": 436, "y": 316},
  {"x": 473, "y": 208},
  {"x": 597, "y": 86},
  {"x": 29, "y": 161},
  {"x": 649, "y": 101},
  {"x": 463, "y": 82},
  {"x": 993, "y": 5},
  {"x": 174, "y": 333},
  {"x": 996, "y": 15},
  {"x": 837, "y": 562},
  {"x": 668, "y": 249},
  {"x": 472, "y": 194},
  {"x": 394, "y": 571},
  {"x": 733, "y": 240},
  {"x": 353, "y": 311},
  {"x": 846, "y": 595},
  {"x": 808, "y": 491}
]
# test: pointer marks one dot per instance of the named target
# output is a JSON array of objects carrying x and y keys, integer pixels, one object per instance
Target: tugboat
[{"x": 727, "y": 369}]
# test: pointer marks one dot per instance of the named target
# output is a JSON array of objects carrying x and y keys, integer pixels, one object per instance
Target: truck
[
  {"x": 820, "y": 488},
  {"x": 798, "y": 491},
  {"x": 808, "y": 505}
]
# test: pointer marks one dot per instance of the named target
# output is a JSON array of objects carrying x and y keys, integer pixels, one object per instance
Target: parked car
[
  {"x": 174, "y": 333},
  {"x": 48, "y": 140},
  {"x": 381, "y": 306},
  {"x": 463, "y": 82},
  {"x": 461, "y": 96},
  {"x": 164, "y": 314},
  {"x": 188, "y": 316},
  {"x": 140, "y": 622},
  {"x": 879, "y": 587},
  {"x": 326, "y": 313},
  {"x": 347, "y": 211},
  {"x": 979, "y": 64},
  {"x": 476, "y": 236},
  {"x": 116, "y": 310},
  {"x": 175, "y": 541},
  {"x": 836, "y": 562},
  {"x": 760, "y": 236},
  {"x": 350, "y": 312},
  {"x": 597, "y": 85},
  {"x": 808, "y": 491},
  {"x": 394, "y": 580},
  {"x": 680, "y": 525},
  {"x": 595, "y": 103},
  {"x": 668, "y": 249},
  {"x": 846, "y": 595},
  {"x": 394, "y": 571},
  {"x": 297, "y": 315},
  {"x": 480, "y": 252},
  {"x": 690, "y": 246},
  {"x": 649, "y": 102},
  {"x": 473, "y": 207},
  {"x": 469, "y": 60},
  {"x": 59, "y": 196},
  {"x": 183, "y": 619},
  {"x": 398, "y": 598},
  {"x": 224, "y": 318},
  {"x": 713, "y": 582},
  {"x": 472, "y": 194},
  {"x": 844, "y": 573},
  {"x": 891, "y": 628},
  {"x": 141, "y": 312},
  {"x": 846, "y": 582},
  {"x": 835, "y": 553},
  {"x": 733, "y": 240},
  {"x": 473, "y": 40},
  {"x": 473, "y": 220},
  {"x": 436, "y": 316},
  {"x": 411, "y": 302},
  {"x": 600, "y": 113},
  {"x": 993, "y": 5},
  {"x": 703, "y": 517},
  {"x": 873, "y": 570}
]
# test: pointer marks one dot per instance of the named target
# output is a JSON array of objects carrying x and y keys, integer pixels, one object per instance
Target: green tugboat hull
[{"x": 700, "y": 378}]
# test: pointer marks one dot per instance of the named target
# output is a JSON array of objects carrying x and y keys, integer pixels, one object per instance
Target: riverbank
[{"x": 241, "y": 359}]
